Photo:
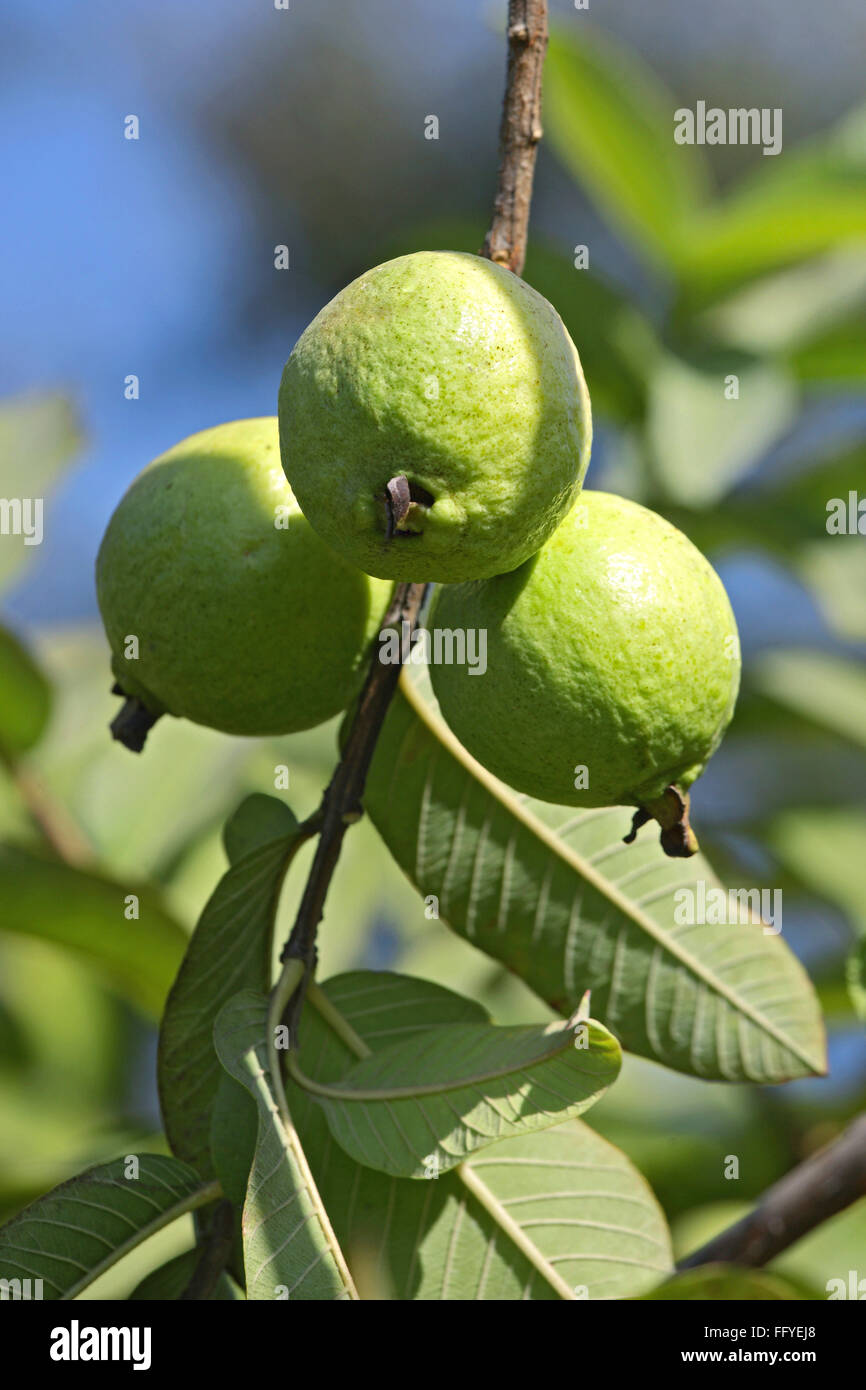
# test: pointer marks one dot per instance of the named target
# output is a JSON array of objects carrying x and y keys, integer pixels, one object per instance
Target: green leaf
[
  {"x": 786, "y": 311},
  {"x": 718, "y": 1283},
  {"x": 257, "y": 820},
  {"x": 289, "y": 1247},
  {"x": 806, "y": 203},
  {"x": 702, "y": 443},
  {"x": 834, "y": 569},
  {"x": 38, "y": 435},
  {"x": 230, "y": 950},
  {"x": 824, "y": 848},
  {"x": 855, "y": 977},
  {"x": 25, "y": 697},
  {"x": 167, "y": 1283},
  {"x": 556, "y": 896},
  {"x": 827, "y": 690},
  {"x": 233, "y": 1129},
  {"x": 782, "y": 517},
  {"x": 460, "y": 1088},
  {"x": 86, "y": 913},
  {"x": 834, "y": 358},
  {"x": 611, "y": 124},
  {"x": 71, "y": 1236},
  {"x": 617, "y": 345},
  {"x": 559, "y": 1213}
]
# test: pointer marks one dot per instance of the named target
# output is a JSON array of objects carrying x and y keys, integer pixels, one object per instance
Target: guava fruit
[
  {"x": 612, "y": 666},
  {"x": 245, "y": 621},
  {"x": 434, "y": 420}
]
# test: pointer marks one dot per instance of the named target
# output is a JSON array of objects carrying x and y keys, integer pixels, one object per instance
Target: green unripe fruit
[
  {"x": 614, "y": 649},
  {"x": 245, "y": 620},
  {"x": 450, "y": 378}
]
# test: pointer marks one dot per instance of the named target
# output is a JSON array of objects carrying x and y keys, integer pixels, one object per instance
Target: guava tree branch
[
  {"x": 505, "y": 244},
  {"x": 826, "y": 1183},
  {"x": 57, "y": 827},
  {"x": 519, "y": 134},
  {"x": 341, "y": 804}
]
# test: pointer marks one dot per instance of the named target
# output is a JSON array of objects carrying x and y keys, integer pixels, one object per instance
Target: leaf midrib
[
  {"x": 338, "y": 1093},
  {"x": 199, "y": 1197}
]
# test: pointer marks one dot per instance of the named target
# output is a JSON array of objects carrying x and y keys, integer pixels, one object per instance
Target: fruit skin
[
  {"x": 449, "y": 370},
  {"x": 242, "y": 626},
  {"x": 609, "y": 649}
]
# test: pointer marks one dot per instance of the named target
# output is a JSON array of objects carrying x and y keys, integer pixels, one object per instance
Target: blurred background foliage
[{"x": 156, "y": 257}]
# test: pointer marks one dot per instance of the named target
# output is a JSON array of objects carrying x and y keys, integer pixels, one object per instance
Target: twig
[
  {"x": 519, "y": 134},
  {"x": 56, "y": 826},
  {"x": 341, "y": 804},
  {"x": 815, "y": 1190}
]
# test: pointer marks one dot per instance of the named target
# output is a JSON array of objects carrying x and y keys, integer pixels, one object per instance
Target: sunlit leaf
[
  {"x": 703, "y": 439},
  {"x": 828, "y": 690},
  {"x": 825, "y": 848},
  {"x": 462, "y": 1087},
  {"x": 782, "y": 312},
  {"x": 559, "y": 1213},
  {"x": 289, "y": 1247},
  {"x": 834, "y": 569},
  {"x": 71, "y": 1236},
  {"x": 558, "y": 897},
  {"x": 611, "y": 123},
  {"x": 38, "y": 436}
]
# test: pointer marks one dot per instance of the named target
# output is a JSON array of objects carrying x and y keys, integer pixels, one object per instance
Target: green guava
[
  {"x": 245, "y": 621},
  {"x": 434, "y": 420},
  {"x": 612, "y": 659}
]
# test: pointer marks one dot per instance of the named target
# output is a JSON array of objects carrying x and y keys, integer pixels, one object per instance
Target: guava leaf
[
  {"x": 719, "y": 1283},
  {"x": 86, "y": 913},
  {"x": 558, "y": 897},
  {"x": 233, "y": 1127},
  {"x": 460, "y": 1088},
  {"x": 167, "y": 1283},
  {"x": 785, "y": 312},
  {"x": 611, "y": 123},
  {"x": 25, "y": 697},
  {"x": 834, "y": 358},
  {"x": 855, "y": 975},
  {"x": 289, "y": 1246},
  {"x": 805, "y": 207},
  {"x": 230, "y": 950},
  {"x": 558, "y": 1213},
  {"x": 38, "y": 436},
  {"x": 834, "y": 570},
  {"x": 688, "y": 402},
  {"x": 827, "y": 690},
  {"x": 259, "y": 818},
  {"x": 72, "y": 1235}
]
